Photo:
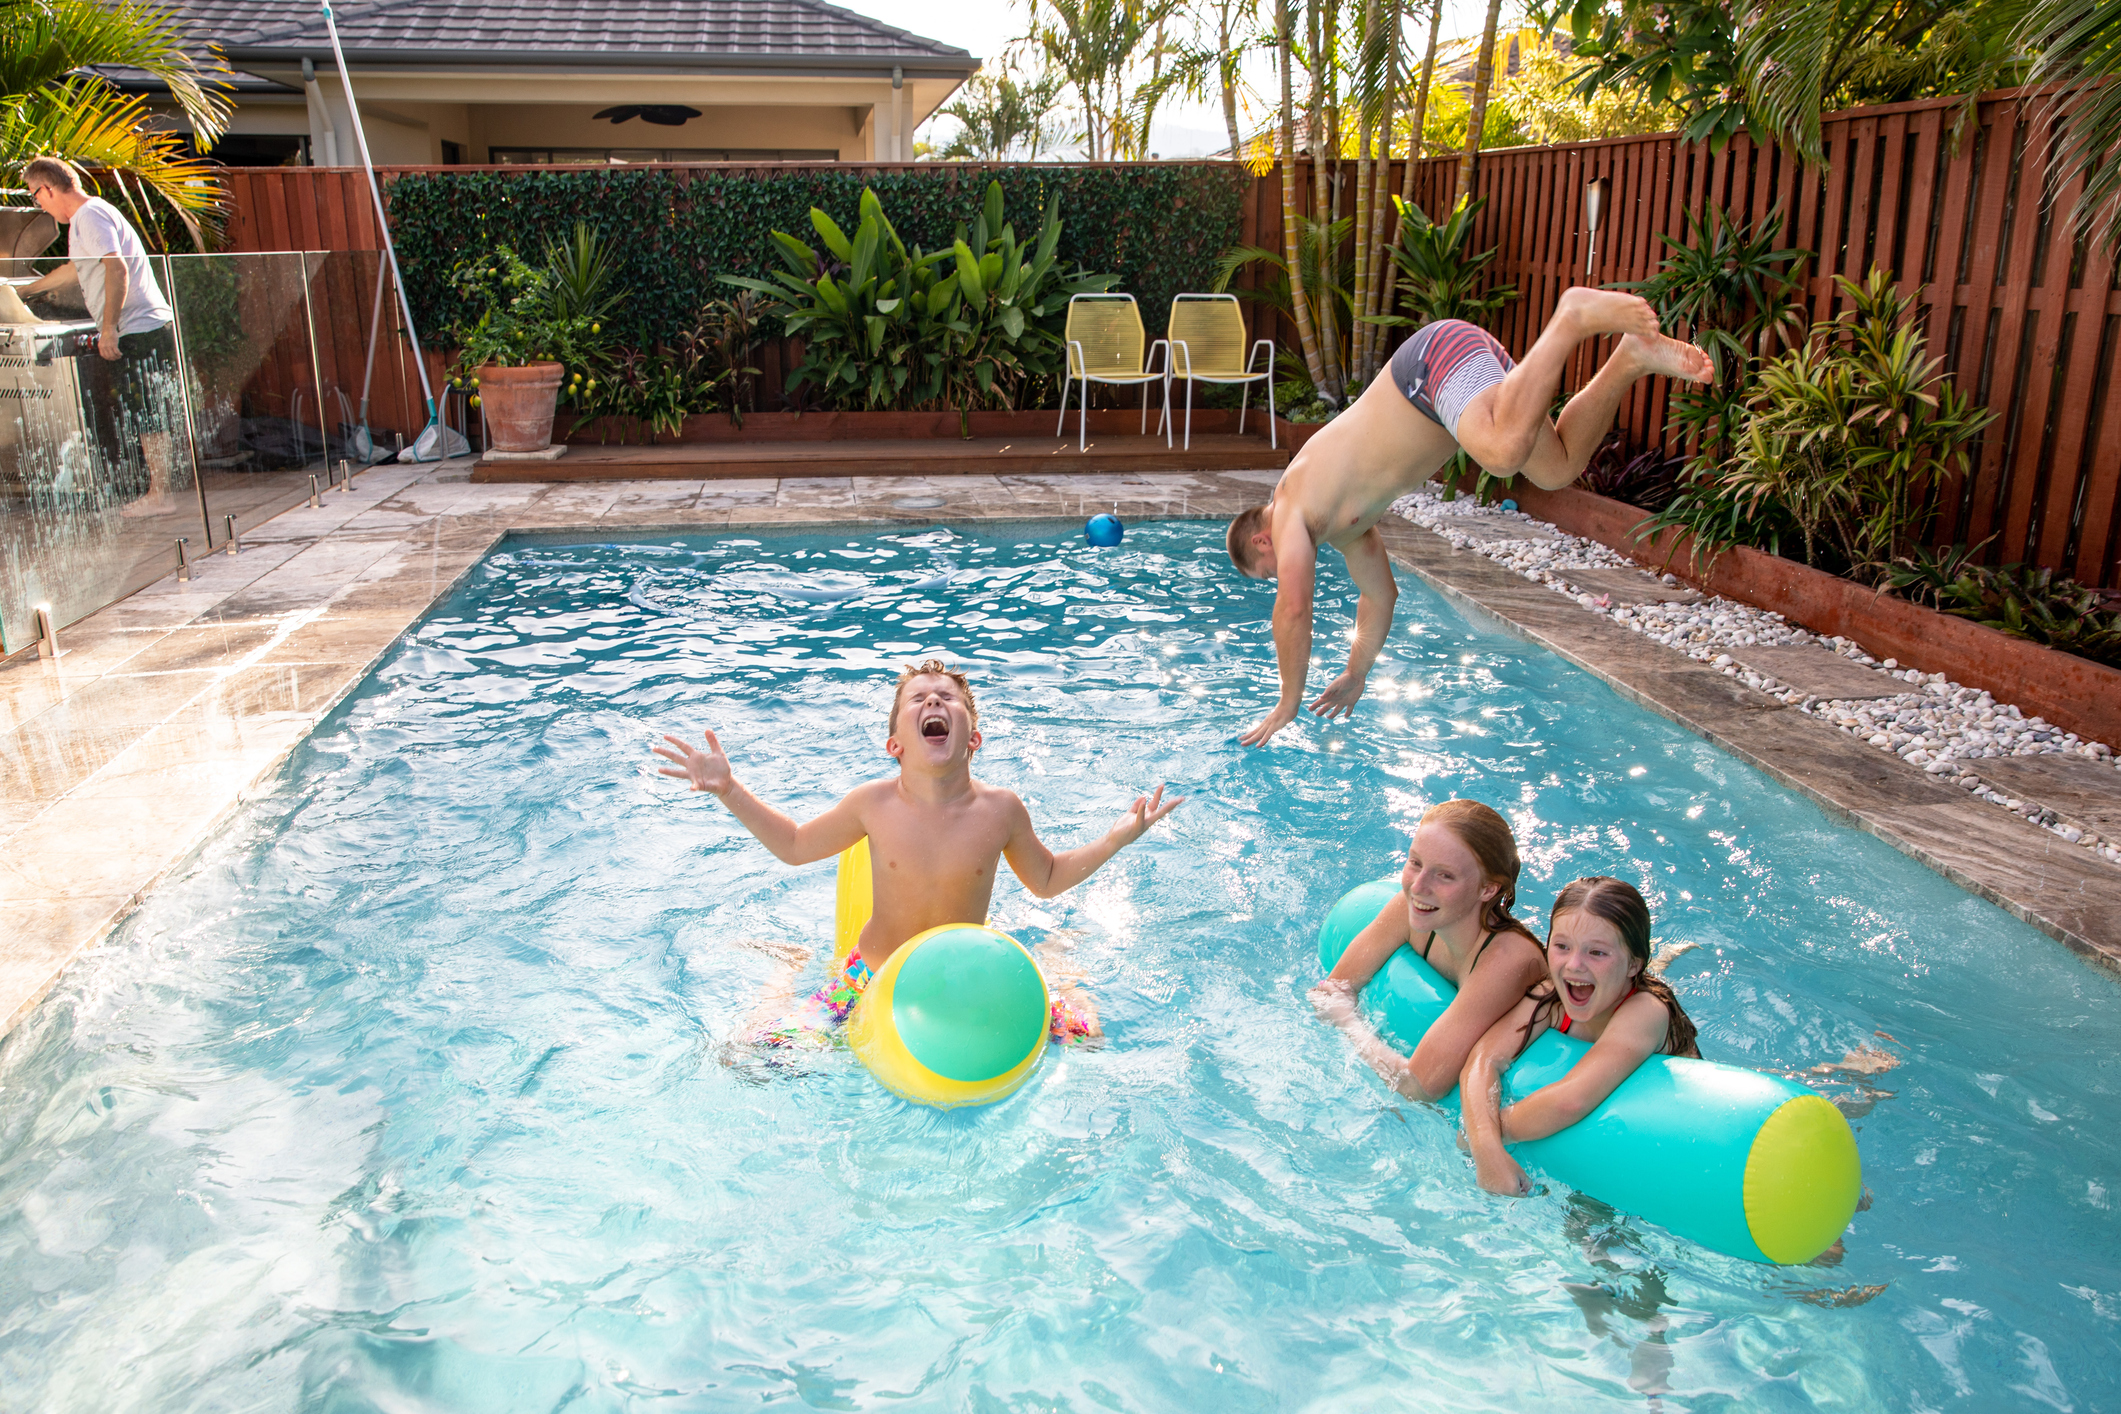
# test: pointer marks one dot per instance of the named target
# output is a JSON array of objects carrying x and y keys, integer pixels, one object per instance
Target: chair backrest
[
  {"x": 1212, "y": 328},
  {"x": 1109, "y": 330}
]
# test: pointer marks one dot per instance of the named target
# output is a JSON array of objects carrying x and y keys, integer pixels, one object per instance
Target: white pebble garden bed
[{"x": 1946, "y": 729}]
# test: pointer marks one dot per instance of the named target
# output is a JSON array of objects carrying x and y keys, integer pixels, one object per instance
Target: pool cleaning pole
[{"x": 390, "y": 249}]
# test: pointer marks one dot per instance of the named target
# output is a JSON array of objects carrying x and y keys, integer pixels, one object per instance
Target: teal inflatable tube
[{"x": 1750, "y": 1165}]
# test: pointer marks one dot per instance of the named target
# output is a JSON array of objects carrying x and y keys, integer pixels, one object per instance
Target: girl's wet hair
[
  {"x": 933, "y": 667},
  {"x": 1618, "y": 902},
  {"x": 1488, "y": 835}
]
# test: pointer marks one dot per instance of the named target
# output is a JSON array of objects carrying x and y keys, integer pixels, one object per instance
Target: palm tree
[
  {"x": 2079, "y": 47},
  {"x": 1797, "y": 58},
  {"x": 1093, "y": 46},
  {"x": 53, "y": 104},
  {"x": 1236, "y": 32},
  {"x": 999, "y": 115}
]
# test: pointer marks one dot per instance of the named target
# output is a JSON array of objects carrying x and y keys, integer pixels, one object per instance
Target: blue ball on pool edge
[{"x": 1104, "y": 530}]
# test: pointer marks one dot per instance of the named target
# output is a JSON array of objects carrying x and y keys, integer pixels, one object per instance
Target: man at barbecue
[{"x": 138, "y": 352}]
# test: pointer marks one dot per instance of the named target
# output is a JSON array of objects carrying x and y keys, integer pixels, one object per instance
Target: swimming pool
[{"x": 407, "y": 1093}]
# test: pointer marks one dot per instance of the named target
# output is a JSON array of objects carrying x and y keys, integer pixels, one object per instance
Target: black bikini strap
[
  {"x": 1426, "y": 943},
  {"x": 1478, "y": 951}
]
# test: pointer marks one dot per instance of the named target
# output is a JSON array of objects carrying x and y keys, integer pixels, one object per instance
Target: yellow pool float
[{"x": 956, "y": 1016}]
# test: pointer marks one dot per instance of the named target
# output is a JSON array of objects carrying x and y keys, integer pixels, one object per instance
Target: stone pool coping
[{"x": 165, "y": 712}]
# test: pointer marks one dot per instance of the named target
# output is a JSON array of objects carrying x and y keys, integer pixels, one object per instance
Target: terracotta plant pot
[{"x": 519, "y": 404}]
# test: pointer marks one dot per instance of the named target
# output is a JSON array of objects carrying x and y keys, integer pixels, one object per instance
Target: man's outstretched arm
[
  {"x": 1371, "y": 568},
  {"x": 1295, "y": 570}
]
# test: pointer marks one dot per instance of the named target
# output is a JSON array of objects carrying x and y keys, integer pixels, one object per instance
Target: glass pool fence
[{"x": 282, "y": 370}]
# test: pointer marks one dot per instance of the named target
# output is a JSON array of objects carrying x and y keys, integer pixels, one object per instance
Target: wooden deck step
[{"x": 953, "y": 456}]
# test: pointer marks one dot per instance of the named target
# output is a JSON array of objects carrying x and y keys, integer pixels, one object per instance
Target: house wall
[
  {"x": 400, "y": 132},
  {"x": 410, "y": 114},
  {"x": 275, "y": 116},
  {"x": 826, "y": 129}
]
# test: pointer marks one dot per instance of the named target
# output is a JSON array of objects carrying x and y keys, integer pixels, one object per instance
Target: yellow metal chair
[
  {"x": 1105, "y": 345},
  {"x": 1208, "y": 344}
]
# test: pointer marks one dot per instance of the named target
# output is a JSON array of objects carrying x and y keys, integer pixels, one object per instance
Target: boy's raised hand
[
  {"x": 703, "y": 770},
  {"x": 1146, "y": 811}
]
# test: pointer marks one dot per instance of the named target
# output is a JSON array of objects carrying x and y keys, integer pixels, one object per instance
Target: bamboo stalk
[
  {"x": 1323, "y": 201},
  {"x": 1380, "y": 263},
  {"x": 1421, "y": 102},
  {"x": 1291, "y": 240},
  {"x": 1358, "y": 331},
  {"x": 1483, "y": 80}
]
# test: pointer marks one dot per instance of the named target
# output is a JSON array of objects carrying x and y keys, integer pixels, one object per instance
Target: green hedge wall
[{"x": 1160, "y": 228}]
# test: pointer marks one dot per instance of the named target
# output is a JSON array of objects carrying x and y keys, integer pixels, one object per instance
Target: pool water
[{"x": 411, "y": 1092}]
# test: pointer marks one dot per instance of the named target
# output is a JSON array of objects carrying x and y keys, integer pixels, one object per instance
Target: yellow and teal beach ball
[{"x": 957, "y": 1016}]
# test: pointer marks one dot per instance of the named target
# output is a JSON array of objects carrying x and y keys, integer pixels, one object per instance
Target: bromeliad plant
[
  {"x": 975, "y": 326},
  {"x": 1732, "y": 291},
  {"x": 1438, "y": 277},
  {"x": 2025, "y": 602},
  {"x": 1735, "y": 293},
  {"x": 648, "y": 393},
  {"x": 1851, "y": 437}
]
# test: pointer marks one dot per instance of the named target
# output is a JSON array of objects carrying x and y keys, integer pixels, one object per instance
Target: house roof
[{"x": 723, "y": 35}]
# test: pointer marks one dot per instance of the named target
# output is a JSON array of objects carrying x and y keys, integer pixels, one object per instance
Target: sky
[{"x": 986, "y": 27}]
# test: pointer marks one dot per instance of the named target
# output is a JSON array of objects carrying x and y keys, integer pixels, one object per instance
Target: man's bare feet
[
  {"x": 1593, "y": 312},
  {"x": 1671, "y": 357}
]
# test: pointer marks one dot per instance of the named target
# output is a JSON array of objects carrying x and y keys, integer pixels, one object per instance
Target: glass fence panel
[
  {"x": 245, "y": 324},
  {"x": 275, "y": 368},
  {"x": 369, "y": 390},
  {"x": 96, "y": 467}
]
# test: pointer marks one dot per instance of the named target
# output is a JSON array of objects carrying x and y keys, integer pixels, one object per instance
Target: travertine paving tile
[
  {"x": 2086, "y": 791},
  {"x": 824, "y": 491},
  {"x": 1820, "y": 672},
  {"x": 44, "y": 935},
  {"x": 1629, "y": 587}
]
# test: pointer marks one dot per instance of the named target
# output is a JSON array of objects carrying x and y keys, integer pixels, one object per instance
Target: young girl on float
[
  {"x": 1598, "y": 989},
  {"x": 1453, "y": 908}
]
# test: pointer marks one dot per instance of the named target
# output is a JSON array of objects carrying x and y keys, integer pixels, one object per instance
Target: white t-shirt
[{"x": 99, "y": 229}]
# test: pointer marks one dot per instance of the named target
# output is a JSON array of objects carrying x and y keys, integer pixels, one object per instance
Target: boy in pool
[
  {"x": 1450, "y": 387},
  {"x": 935, "y": 834}
]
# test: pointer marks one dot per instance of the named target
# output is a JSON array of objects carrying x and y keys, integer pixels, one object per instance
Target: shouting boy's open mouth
[{"x": 936, "y": 728}]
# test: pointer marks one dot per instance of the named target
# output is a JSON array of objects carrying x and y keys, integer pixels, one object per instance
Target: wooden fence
[{"x": 2025, "y": 316}]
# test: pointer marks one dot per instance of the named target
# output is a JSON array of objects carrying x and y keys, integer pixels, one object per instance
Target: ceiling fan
[{"x": 667, "y": 115}]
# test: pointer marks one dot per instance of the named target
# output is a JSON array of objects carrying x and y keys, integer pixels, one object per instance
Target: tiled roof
[
  {"x": 592, "y": 32},
  {"x": 139, "y": 80}
]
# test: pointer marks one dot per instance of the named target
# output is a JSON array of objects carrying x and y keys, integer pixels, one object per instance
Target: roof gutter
[{"x": 934, "y": 66}]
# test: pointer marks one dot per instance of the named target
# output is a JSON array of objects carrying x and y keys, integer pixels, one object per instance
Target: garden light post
[{"x": 1594, "y": 198}]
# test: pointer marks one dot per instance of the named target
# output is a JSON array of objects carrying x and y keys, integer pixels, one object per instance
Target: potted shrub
[{"x": 538, "y": 337}]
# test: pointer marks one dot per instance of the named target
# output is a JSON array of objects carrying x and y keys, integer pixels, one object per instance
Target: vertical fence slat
[
  {"x": 1994, "y": 338},
  {"x": 2043, "y": 349}
]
